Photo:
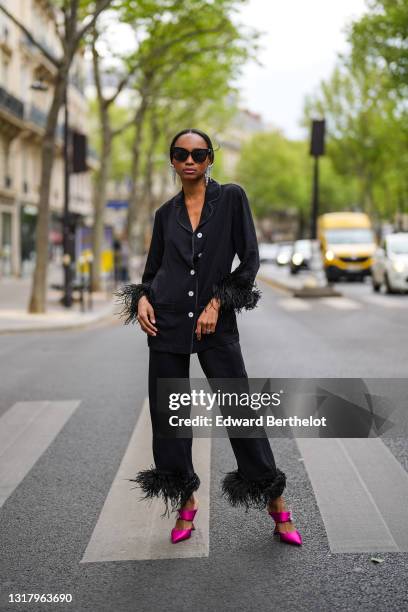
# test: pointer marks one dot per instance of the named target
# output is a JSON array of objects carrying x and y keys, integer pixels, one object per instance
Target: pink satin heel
[
  {"x": 290, "y": 537},
  {"x": 177, "y": 535}
]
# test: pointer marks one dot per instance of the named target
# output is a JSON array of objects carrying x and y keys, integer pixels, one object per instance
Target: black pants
[{"x": 257, "y": 479}]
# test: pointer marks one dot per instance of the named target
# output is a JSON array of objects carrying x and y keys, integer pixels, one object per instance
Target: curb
[{"x": 107, "y": 313}]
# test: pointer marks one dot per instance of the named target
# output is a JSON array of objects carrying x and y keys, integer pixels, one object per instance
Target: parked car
[
  {"x": 284, "y": 253},
  {"x": 390, "y": 265},
  {"x": 301, "y": 256},
  {"x": 348, "y": 243},
  {"x": 268, "y": 252}
]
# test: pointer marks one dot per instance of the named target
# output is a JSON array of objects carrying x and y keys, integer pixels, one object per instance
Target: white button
[
  {"x": 199, "y": 235},
  {"x": 192, "y": 271},
  {"x": 191, "y": 293},
  {"x": 191, "y": 314},
  {"x": 199, "y": 254}
]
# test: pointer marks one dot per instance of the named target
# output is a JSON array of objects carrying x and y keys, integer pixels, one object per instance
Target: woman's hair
[{"x": 194, "y": 131}]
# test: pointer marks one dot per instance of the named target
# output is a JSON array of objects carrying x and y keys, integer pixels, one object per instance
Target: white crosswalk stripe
[
  {"x": 362, "y": 493},
  {"x": 294, "y": 304},
  {"x": 341, "y": 303},
  {"x": 26, "y": 430},
  {"x": 387, "y": 301},
  {"x": 371, "y": 517},
  {"x": 132, "y": 529}
]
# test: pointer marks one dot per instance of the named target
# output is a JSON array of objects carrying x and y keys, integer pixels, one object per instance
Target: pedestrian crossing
[
  {"x": 26, "y": 431},
  {"x": 360, "y": 488},
  {"x": 295, "y": 304},
  {"x": 141, "y": 533},
  {"x": 388, "y": 301}
]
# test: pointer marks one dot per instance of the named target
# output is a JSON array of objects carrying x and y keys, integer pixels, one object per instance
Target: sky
[{"x": 300, "y": 48}]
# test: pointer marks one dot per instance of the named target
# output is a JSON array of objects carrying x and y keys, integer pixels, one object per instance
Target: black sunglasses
[{"x": 198, "y": 155}]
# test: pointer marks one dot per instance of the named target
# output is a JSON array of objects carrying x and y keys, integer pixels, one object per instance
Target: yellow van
[{"x": 348, "y": 243}]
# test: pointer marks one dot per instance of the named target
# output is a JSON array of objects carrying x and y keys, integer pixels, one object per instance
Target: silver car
[{"x": 390, "y": 265}]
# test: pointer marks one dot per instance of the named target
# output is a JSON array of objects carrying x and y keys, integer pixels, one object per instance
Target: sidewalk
[
  {"x": 301, "y": 284},
  {"x": 15, "y": 295}
]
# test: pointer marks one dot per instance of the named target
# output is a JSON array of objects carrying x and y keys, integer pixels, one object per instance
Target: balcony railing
[{"x": 12, "y": 104}]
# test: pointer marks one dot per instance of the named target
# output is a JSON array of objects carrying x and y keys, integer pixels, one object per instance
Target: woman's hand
[
  {"x": 145, "y": 316},
  {"x": 207, "y": 320}
]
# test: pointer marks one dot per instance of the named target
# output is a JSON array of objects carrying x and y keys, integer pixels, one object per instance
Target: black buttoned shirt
[{"x": 185, "y": 269}]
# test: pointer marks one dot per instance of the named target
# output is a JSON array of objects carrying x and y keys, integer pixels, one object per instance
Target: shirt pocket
[
  {"x": 164, "y": 306},
  {"x": 168, "y": 321}
]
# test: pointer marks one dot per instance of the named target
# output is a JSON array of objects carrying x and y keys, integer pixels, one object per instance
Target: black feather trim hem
[
  {"x": 175, "y": 488},
  {"x": 240, "y": 491},
  {"x": 128, "y": 297},
  {"x": 236, "y": 293}
]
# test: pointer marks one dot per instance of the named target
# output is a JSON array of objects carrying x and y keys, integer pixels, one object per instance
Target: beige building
[{"x": 22, "y": 119}]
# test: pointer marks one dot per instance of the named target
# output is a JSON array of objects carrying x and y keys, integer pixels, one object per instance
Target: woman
[{"x": 187, "y": 303}]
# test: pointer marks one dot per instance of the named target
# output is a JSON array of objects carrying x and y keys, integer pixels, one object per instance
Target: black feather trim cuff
[
  {"x": 240, "y": 491},
  {"x": 175, "y": 488},
  {"x": 236, "y": 293},
  {"x": 128, "y": 297}
]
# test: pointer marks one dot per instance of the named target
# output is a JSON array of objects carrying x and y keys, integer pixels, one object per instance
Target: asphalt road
[{"x": 71, "y": 410}]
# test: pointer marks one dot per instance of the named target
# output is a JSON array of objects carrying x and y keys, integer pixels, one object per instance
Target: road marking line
[
  {"x": 388, "y": 301},
  {"x": 341, "y": 303},
  {"x": 130, "y": 529},
  {"x": 294, "y": 304},
  {"x": 26, "y": 431},
  {"x": 362, "y": 493}
]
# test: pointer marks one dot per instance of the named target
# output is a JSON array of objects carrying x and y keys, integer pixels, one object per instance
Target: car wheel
[{"x": 388, "y": 286}]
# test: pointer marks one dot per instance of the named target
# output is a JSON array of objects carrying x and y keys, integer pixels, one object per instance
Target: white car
[
  {"x": 267, "y": 252},
  {"x": 390, "y": 265}
]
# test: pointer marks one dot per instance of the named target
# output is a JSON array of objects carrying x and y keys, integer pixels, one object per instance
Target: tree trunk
[
  {"x": 37, "y": 303},
  {"x": 136, "y": 214},
  {"x": 148, "y": 195}
]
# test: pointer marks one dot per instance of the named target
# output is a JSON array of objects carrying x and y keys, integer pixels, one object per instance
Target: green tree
[
  {"x": 273, "y": 170},
  {"x": 380, "y": 38},
  {"x": 189, "y": 55},
  {"x": 364, "y": 129}
]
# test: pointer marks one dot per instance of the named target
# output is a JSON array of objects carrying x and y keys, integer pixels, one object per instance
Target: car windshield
[
  {"x": 349, "y": 236},
  {"x": 398, "y": 246}
]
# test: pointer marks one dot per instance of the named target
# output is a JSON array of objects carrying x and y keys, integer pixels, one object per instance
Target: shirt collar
[{"x": 212, "y": 194}]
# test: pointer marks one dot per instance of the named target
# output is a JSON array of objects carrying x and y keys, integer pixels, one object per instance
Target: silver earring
[
  {"x": 174, "y": 173},
  {"x": 208, "y": 173}
]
